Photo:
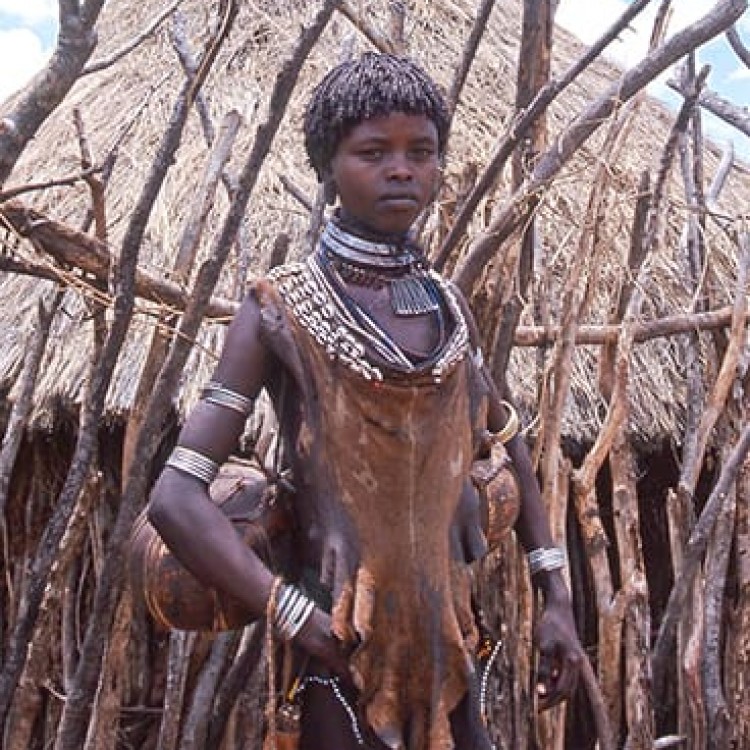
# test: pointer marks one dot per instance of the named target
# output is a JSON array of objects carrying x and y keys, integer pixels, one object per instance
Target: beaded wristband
[
  {"x": 194, "y": 464},
  {"x": 545, "y": 558}
]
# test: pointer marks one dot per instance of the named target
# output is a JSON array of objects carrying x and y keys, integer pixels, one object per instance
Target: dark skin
[{"x": 385, "y": 172}]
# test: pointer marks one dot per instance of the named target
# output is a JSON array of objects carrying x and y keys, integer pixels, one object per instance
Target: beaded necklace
[{"x": 317, "y": 298}]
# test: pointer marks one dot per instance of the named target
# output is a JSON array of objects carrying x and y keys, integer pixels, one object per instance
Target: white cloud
[
  {"x": 588, "y": 21},
  {"x": 21, "y": 55},
  {"x": 740, "y": 73},
  {"x": 29, "y": 12}
]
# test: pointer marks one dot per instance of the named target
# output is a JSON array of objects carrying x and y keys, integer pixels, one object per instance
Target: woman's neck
[{"x": 355, "y": 226}]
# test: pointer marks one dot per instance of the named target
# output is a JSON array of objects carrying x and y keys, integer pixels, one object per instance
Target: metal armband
[
  {"x": 194, "y": 464},
  {"x": 219, "y": 395}
]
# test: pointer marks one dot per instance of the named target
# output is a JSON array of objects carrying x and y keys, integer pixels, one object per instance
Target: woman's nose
[{"x": 399, "y": 167}]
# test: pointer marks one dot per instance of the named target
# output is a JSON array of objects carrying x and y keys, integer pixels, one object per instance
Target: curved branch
[{"x": 733, "y": 37}]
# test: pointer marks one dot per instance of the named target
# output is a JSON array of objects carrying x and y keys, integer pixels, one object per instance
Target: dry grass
[{"x": 129, "y": 104}]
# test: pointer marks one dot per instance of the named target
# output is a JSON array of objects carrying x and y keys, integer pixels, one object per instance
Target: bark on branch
[
  {"x": 737, "y": 117},
  {"x": 733, "y": 37},
  {"x": 694, "y": 551},
  {"x": 71, "y": 248}
]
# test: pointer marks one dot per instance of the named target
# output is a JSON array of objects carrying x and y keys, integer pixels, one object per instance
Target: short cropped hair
[{"x": 372, "y": 85}]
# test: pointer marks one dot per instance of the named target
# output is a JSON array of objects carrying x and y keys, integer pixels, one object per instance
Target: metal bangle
[
  {"x": 193, "y": 463},
  {"x": 510, "y": 430},
  {"x": 302, "y": 619},
  {"x": 219, "y": 395},
  {"x": 293, "y": 610},
  {"x": 545, "y": 558},
  {"x": 282, "y": 605}
]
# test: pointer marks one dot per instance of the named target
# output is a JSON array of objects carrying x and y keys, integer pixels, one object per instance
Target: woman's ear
[
  {"x": 329, "y": 189},
  {"x": 439, "y": 179}
]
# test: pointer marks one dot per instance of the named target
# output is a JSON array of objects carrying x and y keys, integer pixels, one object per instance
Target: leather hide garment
[{"x": 379, "y": 462}]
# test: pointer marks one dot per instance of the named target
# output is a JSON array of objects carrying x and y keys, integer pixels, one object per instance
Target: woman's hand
[
  {"x": 317, "y": 640},
  {"x": 560, "y": 654}
]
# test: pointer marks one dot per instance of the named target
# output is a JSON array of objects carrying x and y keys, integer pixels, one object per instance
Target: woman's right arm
[
  {"x": 180, "y": 509},
  {"x": 191, "y": 525}
]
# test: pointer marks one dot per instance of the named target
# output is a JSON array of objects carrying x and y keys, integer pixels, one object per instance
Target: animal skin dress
[{"x": 379, "y": 458}]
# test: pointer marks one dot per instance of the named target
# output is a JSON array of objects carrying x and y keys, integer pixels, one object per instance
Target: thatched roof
[{"x": 129, "y": 103}]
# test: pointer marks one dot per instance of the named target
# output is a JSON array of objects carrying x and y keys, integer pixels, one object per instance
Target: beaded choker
[{"x": 398, "y": 267}]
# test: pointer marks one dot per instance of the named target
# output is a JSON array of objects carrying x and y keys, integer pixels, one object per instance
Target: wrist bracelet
[
  {"x": 545, "y": 558},
  {"x": 293, "y": 609}
]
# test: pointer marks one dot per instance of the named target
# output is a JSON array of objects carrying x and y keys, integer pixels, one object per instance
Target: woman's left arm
[{"x": 560, "y": 651}]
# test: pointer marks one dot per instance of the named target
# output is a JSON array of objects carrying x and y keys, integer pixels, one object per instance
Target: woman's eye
[
  {"x": 422, "y": 154},
  {"x": 371, "y": 154}
]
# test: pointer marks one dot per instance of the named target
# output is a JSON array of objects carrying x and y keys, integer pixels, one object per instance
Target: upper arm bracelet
[
  {"x": 193, "y": 463},
  {"x": 219, "y": 395}
]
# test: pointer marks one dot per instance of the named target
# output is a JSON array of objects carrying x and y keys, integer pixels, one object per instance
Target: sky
[
  {"x": 729, "y": 77},
  {"x": 28, "y": 29},
  {"x": 27, "y": 35}
]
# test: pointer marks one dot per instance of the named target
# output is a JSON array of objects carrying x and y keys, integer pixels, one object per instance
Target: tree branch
[
  {"x": 376, "y": 38},
  {"x": 737, "y": 117},
  {"x": 593, "y": 335},
  {"x": 509, "y": 216},
  {"x": 693, "y": 553},
  {"x": 468, "y": 54},
  {"x": 69, "y": 247},
  {"x": 106, "y": 62},
  {"x": 733, "y": 37}
]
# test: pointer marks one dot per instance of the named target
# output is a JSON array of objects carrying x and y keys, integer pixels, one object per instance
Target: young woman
[{"x": 384, "y": 404}]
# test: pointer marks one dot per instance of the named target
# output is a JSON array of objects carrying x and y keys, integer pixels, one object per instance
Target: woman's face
[{"x": 386, "y": 169}]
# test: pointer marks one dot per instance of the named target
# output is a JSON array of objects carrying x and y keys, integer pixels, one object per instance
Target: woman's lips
[{"x": 407, "y": 200}]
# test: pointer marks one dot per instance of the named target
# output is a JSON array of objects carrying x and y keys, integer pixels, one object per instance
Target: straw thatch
[
  {"x": 624, "y": 517},
  {"x": 127, "y": 105}
]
